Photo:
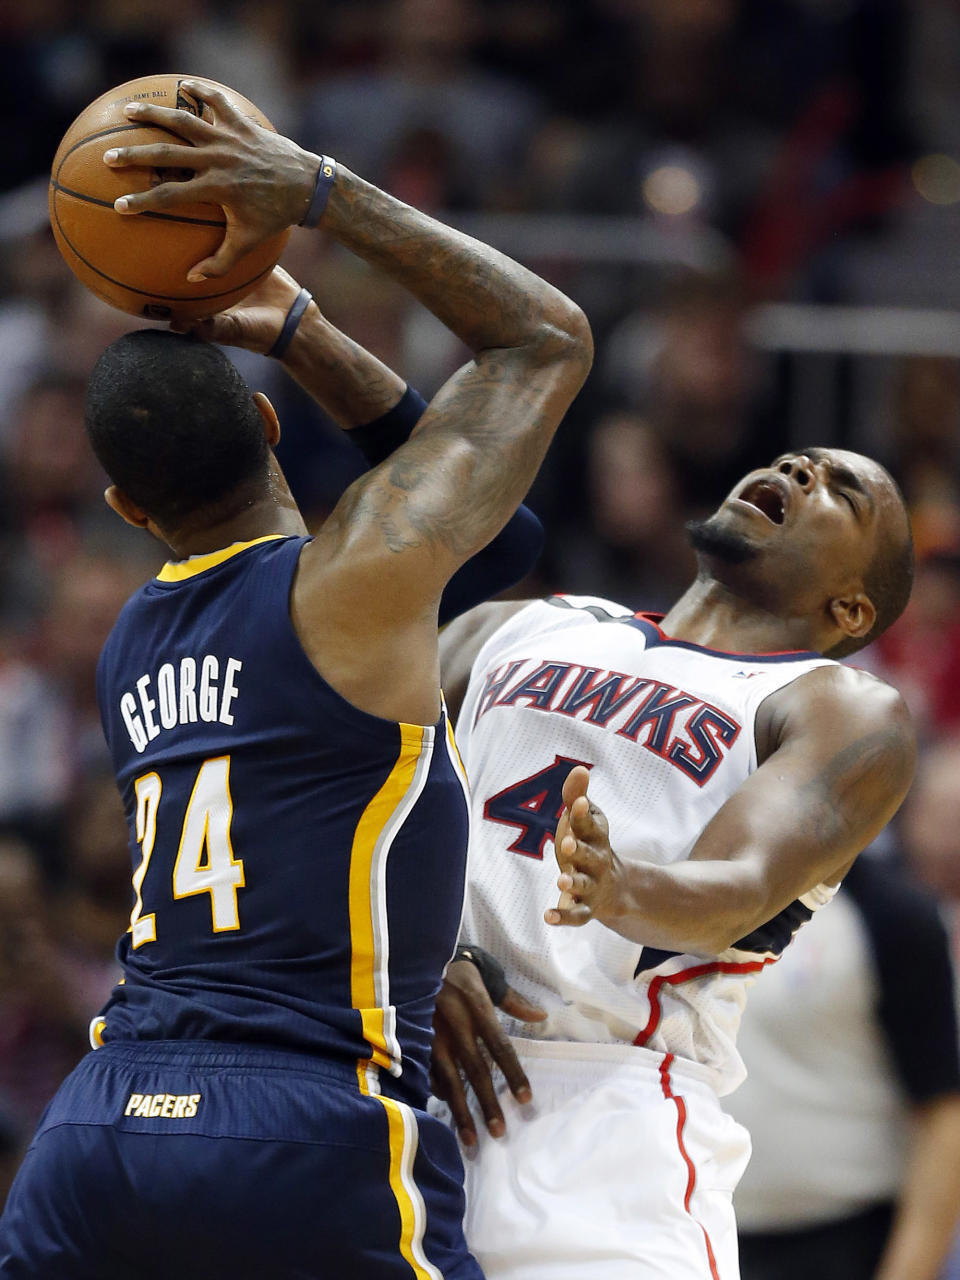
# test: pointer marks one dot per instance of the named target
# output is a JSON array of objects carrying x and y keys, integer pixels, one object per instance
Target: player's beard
[{"x": 712, "y": 538}]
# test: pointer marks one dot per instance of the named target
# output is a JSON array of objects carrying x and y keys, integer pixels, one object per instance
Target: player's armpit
[{"x": 461, "y": 641}]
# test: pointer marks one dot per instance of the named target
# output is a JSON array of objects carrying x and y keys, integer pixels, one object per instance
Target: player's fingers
[
  {"x": 504, "y": 1055},
  {"x": 575, "y": 784},
  {"x": 576, "y": 884},
  {"x": 580, "y": 857},
  {"x": 447, "y": 1084},
  {"x": 566, "y": 849},
  {"x": 477, "y": 1070},
  {"x": 577, "y": 914},
  {"x": 517, "y": 1006},
  {"x": 237, "y": 241},
  {"x": 587, "y": 822},
  {"x": 215, "y": 98},
  {"x": 156, "y": 155},
  {"x": 168, "y": 195},
  {"x": 561, "y": 833},
  {"x": 225, "y": 328},
  {"x": 183, "y": 123}
]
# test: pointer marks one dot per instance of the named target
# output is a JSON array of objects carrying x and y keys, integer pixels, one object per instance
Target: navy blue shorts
[{"x": 159, "y": 1160}]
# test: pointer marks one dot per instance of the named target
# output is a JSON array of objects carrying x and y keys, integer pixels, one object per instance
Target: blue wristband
[
  {"x": 326, "y": 177},
  {"x": 290, "y": 322}
]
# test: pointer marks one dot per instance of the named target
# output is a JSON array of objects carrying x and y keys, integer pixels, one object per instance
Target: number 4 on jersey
[{"x": 534, "y": 805}]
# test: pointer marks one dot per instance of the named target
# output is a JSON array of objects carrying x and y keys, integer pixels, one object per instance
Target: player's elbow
[{"x": 564, "y": 339}]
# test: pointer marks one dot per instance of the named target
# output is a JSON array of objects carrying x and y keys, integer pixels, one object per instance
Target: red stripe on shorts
[
  {"x": 687, "y": 975},
  {"x": 691, "y": 1171}
]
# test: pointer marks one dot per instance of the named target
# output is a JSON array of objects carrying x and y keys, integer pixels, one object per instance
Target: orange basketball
[{"x": 139, "y": 263}]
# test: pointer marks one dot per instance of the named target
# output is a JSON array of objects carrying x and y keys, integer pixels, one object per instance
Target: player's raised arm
[
  {"x": 842, "y": 755},
  {"x": 374, "y": 406},
  {"x": 477, "y": 449}
]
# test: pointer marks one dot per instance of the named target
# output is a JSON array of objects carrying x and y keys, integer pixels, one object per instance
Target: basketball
[{"x": 139, "y": 263}]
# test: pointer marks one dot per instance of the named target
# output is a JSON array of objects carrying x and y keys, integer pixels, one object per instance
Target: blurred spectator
[
  {"x": 42, "y": 1031},
  {"x": 852, "y": 1095},
  {"x": 638, "y": 553},
  {"x": 245, "y": 45},
  {"x": 92, "y": 906},
  {"x": 462, "y": 127},
  {"x": 35, "y": 753},
  {"x": 920, "y": 654},
  {"x": 691, "y": 373},
  {"x": 57, "y": 963},
  {"x": 88, "y": 593},
  {"x": 925, "y": 449},
  {"x": 11, "y": 1151},
  {"x": 52, "y": 491},
  {"x": 931, "y": 826}
]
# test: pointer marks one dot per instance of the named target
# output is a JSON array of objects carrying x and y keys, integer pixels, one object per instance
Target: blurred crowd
[{"x": 708, "y": 156}]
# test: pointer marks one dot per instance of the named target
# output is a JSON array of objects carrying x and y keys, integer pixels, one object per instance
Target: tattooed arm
[
  {"x": 357, "y": 390},
  {"x": 348, "y": 382},
  {"x": 366, "y": 594},
  {"x": 838, "y": 753}
]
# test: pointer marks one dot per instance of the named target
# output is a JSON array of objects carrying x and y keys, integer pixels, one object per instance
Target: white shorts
[{"x": 621, "y": 1168}]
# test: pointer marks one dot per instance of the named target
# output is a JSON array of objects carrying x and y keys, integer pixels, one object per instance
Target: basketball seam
[
  {"x": 147, "y": 293},
  {"x": 117, "y": 128},
  {"x": 147, "y": 213}
]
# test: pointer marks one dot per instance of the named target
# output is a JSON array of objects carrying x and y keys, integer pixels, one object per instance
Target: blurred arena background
[{"x": 757, "y": 203}]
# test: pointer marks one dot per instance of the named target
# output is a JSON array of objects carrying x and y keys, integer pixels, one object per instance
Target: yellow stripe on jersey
[
  {"x": 381, "y": 819},
  {"x": 404, "y": 1140},
  {"x": 455, "y": 755},
  {"x": 179, "y": 570}
]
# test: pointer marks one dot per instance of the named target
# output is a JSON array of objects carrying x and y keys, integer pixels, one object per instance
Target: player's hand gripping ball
[{"x": 140, "y": 263}]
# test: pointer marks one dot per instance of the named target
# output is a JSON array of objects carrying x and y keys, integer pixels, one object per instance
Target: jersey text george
[{"x": 180, "y": 693}]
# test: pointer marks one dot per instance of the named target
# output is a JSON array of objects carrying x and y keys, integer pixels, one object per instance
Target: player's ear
[
  {"x": 271, "y": 423},
  {"x": 127, "y": 510},
  {"x": 854, "y": 614}
]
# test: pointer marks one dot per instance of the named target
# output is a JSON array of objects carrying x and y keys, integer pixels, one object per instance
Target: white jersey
[{"x": 670, "y": 728}]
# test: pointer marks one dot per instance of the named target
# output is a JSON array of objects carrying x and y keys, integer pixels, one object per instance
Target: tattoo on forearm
[
  {"x": 481, "y": 295},
  {"x": 472, "y": 457}
]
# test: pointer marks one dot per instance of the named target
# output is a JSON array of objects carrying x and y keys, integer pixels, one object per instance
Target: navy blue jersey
[{"x": 298, "y": 864}]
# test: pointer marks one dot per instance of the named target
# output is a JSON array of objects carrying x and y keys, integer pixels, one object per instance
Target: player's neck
[
  {"x": 271, "y": 509},
  {"x": 711, "y": 615},
  {"x": 258, "y": 521}
]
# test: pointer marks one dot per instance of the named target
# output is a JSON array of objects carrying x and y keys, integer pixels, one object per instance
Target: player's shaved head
[
  {"x": 888, "y": 580},
  {"x": 174, "y": 426}
]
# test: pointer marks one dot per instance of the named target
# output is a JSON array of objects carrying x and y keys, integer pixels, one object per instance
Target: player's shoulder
[
  {"x": 553, "y": 613},
  {"x": 853, "y": 690},
  {"x": 842, "y": 704},
  {"x": 595, "y": 607},
  {"x": 130, "y": 615}
]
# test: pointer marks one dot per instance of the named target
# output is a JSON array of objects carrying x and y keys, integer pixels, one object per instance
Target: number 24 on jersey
[{"x": 204, "y": 862}]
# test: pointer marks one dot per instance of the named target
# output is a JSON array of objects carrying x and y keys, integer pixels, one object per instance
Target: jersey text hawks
[{"x": 678, "y": 726}]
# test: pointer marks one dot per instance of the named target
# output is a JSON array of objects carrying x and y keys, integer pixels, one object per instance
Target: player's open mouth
[{"x": 768, "y": 499}]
